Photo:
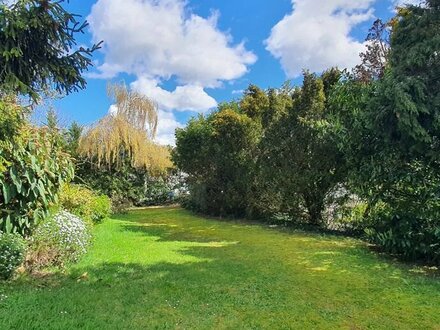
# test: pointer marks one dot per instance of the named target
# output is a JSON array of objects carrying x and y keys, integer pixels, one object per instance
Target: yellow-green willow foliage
[
  {"x": 135, "y": 108},
  {"x": 127, "y": 133}
]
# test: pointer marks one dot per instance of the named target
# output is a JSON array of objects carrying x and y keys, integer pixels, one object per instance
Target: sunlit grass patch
[{"x": 165, "y": 268}]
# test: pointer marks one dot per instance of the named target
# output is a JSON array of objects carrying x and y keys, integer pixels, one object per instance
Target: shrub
[
  {"x": 101, "y": 208},
  {"x": 281, "y": 218},
  {"x": 405, "y": 234},
  {"x": 32, "y": 169},
  {"x": 120, "y": 204},
  {"x": 349, "y": 216},
  {"x": 12, "y": 252},
  {"x": 61, "y": 239},
  {"x": 85, "y": 203}
]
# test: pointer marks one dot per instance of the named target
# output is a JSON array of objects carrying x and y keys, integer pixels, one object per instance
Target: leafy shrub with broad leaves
[
  {"x": 61, "y": 239},
  {"x": 405, "y": 234},
  {"x": 85, "y": 203},
  {"x": 34, "y": 168},
  {"x": 12, "y": 253}
]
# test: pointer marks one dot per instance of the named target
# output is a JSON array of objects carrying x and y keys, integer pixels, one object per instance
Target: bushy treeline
[{"x": 357, "y": 151}]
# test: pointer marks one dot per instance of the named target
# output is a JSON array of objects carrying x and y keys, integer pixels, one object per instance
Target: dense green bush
[
  {"x": 101, "y": 207},
  {"x": 415, "y": 236},
  {"x": 217, "y": 152},
  {"x": 33, "y": 169},
  {"x": 61, "y": 239},
  {"x": 12, "y": 253},
  {"x": 85, "y": 203},
  {"x": 124, "y": 185}
]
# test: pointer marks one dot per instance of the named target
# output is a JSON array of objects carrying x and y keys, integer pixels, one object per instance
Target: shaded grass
[{"x": 165, "y": 268}]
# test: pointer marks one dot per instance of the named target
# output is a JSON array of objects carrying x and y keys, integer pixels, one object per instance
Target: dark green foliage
[
  {"x": 37, "y": 55},
  {"x": 37, "y": 48},
  {"x": 405, "y": 115},
  {"x": 124, "y": 185},
  {"x": 296, "y": 158},
  {"x": 12, "y": 252},
  {"x": 415, "y": 236},
  {"x": 409, "y": 96},
  {"x": 263, "y": 155},
  {"x": 72, "y": 137},
  {"x": 35, "y": 169},
  {"x": 127, "y": 186},
  {"x": 388, "y": 130},
  {"x": 218, "y": 153}
]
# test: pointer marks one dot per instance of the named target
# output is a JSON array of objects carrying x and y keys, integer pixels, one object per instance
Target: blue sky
[{"x": 191, "y": 55}]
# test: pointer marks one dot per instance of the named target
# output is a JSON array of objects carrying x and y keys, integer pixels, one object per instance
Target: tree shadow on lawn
[
  {"x": 319, "y": 250},
  {"x": 211, "y": 281}
]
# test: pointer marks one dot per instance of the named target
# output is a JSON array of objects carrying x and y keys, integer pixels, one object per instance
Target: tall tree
[
  {"x": 302, "y": 163},
  {"x": 38, "y": 48},
  {"x": 389, "y": 133},
  {"x": 126, "y": 134},
  {"x": 375, "y": 58},
  {"x": 218, "y": 153}
]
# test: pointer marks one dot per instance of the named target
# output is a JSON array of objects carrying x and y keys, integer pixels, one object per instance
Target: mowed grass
[{"x": 168, "y": 269}]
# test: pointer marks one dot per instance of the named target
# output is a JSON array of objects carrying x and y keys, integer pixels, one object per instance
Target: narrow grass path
[{"x": 167, "y": 269}]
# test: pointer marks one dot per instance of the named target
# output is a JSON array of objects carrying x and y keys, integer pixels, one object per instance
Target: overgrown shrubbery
[
  {"x": 12, "y": 253},
  {"x": 405, "y": 234},
  {"x": 283, "y": 153},
  {"x": 61, "y": 239},
  {"x": 33, "y": 168},
  {"x": 38, "y": 56},
  {"x": 85, "y": 203}
]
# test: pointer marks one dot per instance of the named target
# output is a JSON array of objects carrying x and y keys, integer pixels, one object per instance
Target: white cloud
[
  {"x": 188, "y": 97},
  {"x": 237, "y": 92},
  {"x": 316, "y": 35},
  {"x": 113, "y": 110},
  {"x": 159, "y": 40},
  {"x": 167, "y": 125},
  {"x": 400, "y": 3}
]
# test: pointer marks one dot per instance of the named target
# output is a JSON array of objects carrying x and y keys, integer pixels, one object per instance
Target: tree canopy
[{"x": 38, "y": 49}]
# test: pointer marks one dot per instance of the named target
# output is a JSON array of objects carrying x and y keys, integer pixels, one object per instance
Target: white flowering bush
[
  {"x": 12, "y": 252},
  {"x": 62, "y": 239}
]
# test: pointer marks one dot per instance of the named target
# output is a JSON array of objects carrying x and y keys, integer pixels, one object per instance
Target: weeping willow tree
[{"x": 127, "y": 133}]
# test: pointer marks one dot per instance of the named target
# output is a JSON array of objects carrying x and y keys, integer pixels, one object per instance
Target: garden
[{"x": 314, "y": 205}]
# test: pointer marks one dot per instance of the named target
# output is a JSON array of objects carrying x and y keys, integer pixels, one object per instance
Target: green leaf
[{"x": 6, "y": 193}]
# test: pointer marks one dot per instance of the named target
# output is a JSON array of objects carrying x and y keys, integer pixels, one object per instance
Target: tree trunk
[{"x": 315, "y": 208}]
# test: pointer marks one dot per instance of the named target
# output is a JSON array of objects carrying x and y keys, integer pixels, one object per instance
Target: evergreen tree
[{"x": 37, "y": 49}]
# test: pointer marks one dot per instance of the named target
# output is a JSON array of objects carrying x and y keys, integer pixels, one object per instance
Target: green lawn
[{"x": 168, "y": 269}]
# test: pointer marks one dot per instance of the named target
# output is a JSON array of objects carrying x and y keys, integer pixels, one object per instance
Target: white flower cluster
[
  {"x": 11, "y": 254},
  {"x": 67, "y": 233}
]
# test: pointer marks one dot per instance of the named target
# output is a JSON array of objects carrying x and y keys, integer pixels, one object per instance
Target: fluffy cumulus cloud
[
  {"x": 399, "y": 3},
  {"x": 159, "y": 40},
  {"x": 187, "y": 97},
  {"x": 316, "y": 35},
  {"x": 167, "y": 124}
]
